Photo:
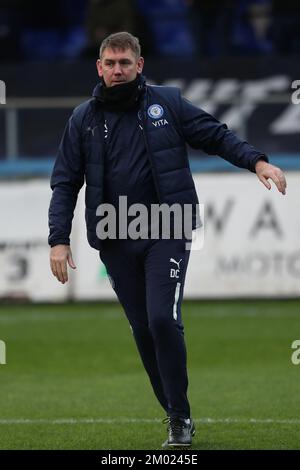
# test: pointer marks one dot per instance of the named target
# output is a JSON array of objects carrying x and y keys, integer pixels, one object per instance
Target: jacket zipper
[{"x": 144, "y": 122}]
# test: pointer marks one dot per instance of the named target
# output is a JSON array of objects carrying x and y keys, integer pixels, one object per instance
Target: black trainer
[{"x": 181, "y": 431}]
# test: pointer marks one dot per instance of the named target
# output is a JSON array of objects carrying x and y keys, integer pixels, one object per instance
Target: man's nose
[{"x": 117, "y": 69}]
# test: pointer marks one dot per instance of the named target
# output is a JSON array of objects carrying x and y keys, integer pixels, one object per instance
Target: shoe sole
[{"x": 179, "y": 445}]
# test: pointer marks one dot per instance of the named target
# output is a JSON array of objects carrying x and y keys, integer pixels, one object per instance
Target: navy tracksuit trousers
[{"x": 148, "y": 277}]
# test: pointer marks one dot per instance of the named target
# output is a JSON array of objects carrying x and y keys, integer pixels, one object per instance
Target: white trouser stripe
[{"x": 177, "y": 292}]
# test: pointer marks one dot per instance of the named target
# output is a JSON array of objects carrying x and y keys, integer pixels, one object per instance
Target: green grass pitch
[{"x": 74, "y": 380}]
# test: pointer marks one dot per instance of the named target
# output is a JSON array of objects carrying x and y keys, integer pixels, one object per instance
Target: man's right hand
[{"x": 60, "y": 255}]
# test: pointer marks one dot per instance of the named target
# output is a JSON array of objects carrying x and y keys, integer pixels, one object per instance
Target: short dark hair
[{"x": 123, "y": 41}]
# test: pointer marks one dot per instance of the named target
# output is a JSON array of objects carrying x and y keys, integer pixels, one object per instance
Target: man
[{"x": 130, "y": 140}]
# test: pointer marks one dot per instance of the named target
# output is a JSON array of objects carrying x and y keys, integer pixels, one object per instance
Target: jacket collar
[{"x": 137, "y": 96}]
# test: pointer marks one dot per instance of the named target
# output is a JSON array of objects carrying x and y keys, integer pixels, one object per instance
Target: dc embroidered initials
[
  {"x": 160, "y": 122},
  {"x": 174, "y": 273}
]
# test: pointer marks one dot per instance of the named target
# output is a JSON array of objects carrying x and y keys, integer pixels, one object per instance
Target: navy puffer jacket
[{"x": 169, "y": 122}]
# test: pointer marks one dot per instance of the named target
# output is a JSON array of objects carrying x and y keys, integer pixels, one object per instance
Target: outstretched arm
[{"x": 205, "y": 132}]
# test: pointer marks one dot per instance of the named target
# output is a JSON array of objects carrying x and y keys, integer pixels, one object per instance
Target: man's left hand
[{"x": 265, "y": 171}]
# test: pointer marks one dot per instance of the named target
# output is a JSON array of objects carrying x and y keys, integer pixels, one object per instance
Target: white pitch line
[{"x": 150, "y": 421}]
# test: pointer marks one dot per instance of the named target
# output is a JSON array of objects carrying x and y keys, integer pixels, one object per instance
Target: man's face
[{"x": 119, "y": 66}]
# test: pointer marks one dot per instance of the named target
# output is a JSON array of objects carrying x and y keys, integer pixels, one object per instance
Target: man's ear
[
  {"x": 99, "y": 67},
  {"x": 140, "y": 64}
]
